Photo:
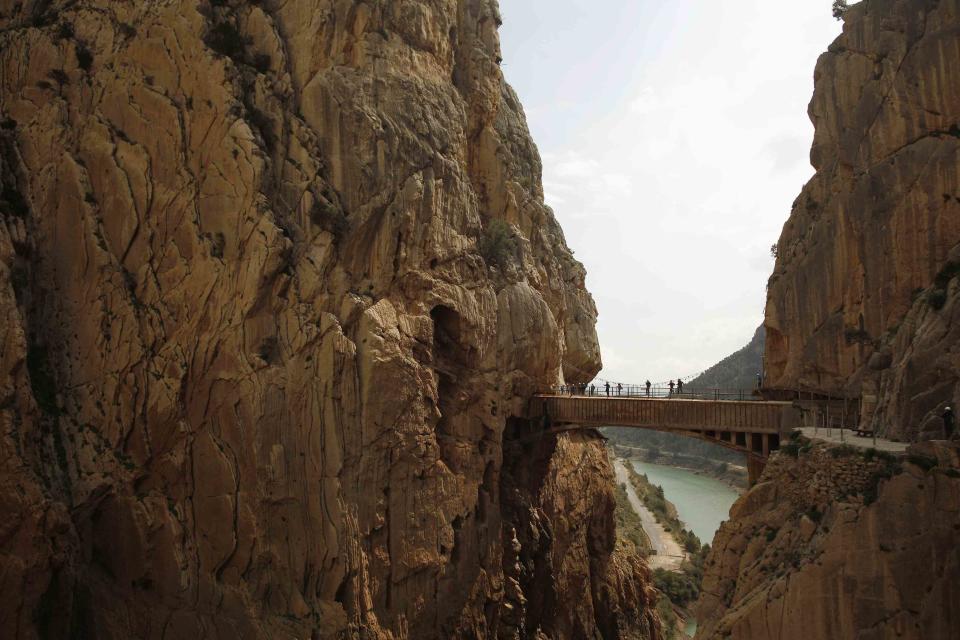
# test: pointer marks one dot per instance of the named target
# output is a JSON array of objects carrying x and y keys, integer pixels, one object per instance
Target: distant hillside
[{"x": 737, "y": 371}]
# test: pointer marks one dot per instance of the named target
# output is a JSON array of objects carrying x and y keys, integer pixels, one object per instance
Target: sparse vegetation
[
  {"x": 840, "y": 7},
  {"x": 843, "y": 451},
  {"x": 668, "y": 617},
  {"x": 498, "y": 244},
  {"x": 629, "y": 526},
  {"x": 791, "y": 449}
]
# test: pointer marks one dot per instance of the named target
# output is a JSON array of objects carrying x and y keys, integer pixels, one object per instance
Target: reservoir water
[{"x": 702, "y": 502}]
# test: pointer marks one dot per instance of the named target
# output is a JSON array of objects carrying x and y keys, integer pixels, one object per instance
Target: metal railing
[{"x": 659, "y": 392}]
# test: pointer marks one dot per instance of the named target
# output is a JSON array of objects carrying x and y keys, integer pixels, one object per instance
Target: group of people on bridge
[
  {"x": 614, "y": 389},
  {"x": 583, "y": 389}
]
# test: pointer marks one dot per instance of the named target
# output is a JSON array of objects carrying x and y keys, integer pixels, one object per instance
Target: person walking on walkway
[
  {"x": 759, "y": 381},
  {"x": 608, "y": 389},
  {"x": 679, "y": 386},
  {"x": 593, "y": 389},
  {"x": 671, "y": 388},
  {"x": 948, "y": 422},
  {"x": 619, "y": 388},
  {"x": 648, "y": 388}
]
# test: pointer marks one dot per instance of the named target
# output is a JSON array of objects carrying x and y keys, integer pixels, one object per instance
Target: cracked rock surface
[
  {"x": 839, "y": 544},
  {"x": 274, "y": 278},
  {"x": 864, "y": 296}
]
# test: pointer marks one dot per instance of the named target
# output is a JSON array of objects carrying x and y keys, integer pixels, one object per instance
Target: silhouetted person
[
  {"x": 648, "y": 388},
  {"x": 671, "y": 388},
  {"x": 759, "y": 381},
  {"x": 948, "y": 422},
  {"x": 593, "y": 389},
  {"x": 619, "y": 388},
  {"x": 607, "y": 385},
  {"x": 679, "y": 386}
]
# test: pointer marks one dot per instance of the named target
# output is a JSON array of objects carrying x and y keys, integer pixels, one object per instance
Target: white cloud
[{"x": 674, "y": 138}]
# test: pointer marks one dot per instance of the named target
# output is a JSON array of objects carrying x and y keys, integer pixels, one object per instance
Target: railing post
[
  {"x": 843, "y": 418},
  {"x": 829, "y": 426}
]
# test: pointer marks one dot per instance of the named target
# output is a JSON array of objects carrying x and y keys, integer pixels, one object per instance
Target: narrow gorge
[
  {"x": 864, "y": 303},
  {"x": 292, "y": 346}
]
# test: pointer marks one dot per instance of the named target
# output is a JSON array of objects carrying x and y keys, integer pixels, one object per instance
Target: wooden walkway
[{"x": 753, "y": 428}]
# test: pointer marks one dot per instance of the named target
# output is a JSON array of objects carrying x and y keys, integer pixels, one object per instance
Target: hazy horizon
[{"x": 674, "y": 139}]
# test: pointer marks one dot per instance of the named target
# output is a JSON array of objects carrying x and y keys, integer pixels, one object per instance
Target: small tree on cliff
[{"x": 839, "y": 8}]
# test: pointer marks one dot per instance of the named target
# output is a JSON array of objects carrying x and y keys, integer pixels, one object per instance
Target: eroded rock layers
[
  {"x": 840, "y": 543},
  {"x": 273, "y": 278},
  {"x": 863, "y": 300}
]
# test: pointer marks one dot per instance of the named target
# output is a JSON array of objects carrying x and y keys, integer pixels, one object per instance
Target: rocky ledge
[{"x": 836, "y": 542}]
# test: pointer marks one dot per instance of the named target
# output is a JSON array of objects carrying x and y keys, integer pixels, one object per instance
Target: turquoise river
[{"x": 702, "y": 502}]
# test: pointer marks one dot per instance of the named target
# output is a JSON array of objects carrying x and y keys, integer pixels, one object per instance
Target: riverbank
[
  {"x": 666, "y": 551},
  {"x": 676, "y": 572},
  {"x": 732, "y": 475}
]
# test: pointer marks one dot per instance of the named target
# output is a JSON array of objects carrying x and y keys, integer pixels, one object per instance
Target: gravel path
[
  {"x": 669, "y": 555},
  {"x": 833, "y": 437}
]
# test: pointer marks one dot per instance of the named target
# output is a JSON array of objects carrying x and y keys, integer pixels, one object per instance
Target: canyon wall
[
  {"x": 863, "y": 299},
  {"x": 840, "y": 543},
  {"x": 274, "y": 279}
]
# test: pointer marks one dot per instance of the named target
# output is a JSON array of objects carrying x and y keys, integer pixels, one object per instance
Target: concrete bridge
[{"x": 754, "y": 428}]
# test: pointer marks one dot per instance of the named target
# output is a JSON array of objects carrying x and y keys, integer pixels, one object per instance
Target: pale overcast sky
[{"x": 674, "y": 137}]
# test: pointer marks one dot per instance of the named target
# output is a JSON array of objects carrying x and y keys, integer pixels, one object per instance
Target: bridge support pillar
[{"x": 755, "y": 468}]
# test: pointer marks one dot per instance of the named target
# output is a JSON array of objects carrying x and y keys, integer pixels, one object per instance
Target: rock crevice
[{"x": 255, "y": 370}]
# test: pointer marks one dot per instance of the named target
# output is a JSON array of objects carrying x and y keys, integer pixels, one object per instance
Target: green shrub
[
  {"x": 680, "y": 588},
  {"x": 839, "y": 8},
  {"x": 843, "y": 451},
  {"x": 790, "y": 449},
  {"x": 498, "y": 244}
]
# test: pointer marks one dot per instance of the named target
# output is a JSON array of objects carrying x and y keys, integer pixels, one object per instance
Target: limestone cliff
[
  {"x": 274, "y": 276},
  {"x": 863, "y": 299},
  {"x": 840, "y": 543}
]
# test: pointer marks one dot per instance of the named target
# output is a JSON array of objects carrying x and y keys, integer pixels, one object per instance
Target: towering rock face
[
  {"x": 840, "y": 544},
  {"x": 863, "y": 299},
  {"x": 273, "y": 278}
]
